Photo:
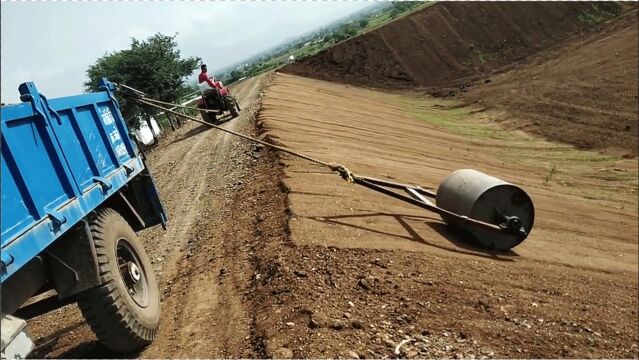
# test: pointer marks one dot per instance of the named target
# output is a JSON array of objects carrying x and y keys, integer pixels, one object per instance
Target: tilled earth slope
[
  {"x": 363, "y": 272},
  {"x": 574, "y": 64},
  {"x": 449, "y": 43},
  {"x": 583, "y": 92}
]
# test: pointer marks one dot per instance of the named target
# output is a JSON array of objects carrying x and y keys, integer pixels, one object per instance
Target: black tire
[
  {"x": 231, "y": 104},
  {"x": 211, "y": 118},
  {"x": 234, "y": 112},
  {"x": 123, "y": 313}
]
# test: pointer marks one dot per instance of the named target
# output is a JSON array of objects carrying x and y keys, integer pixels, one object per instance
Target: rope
[
  {"x": 179, "y": 106},
  {"x": 140, "y": 95},
  {"x": 341, "y": 169}
]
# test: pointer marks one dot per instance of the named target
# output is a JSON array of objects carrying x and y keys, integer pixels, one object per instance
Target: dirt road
[
  {"x": 204, "y": 280},
  {"x": 201, "y": 259}
]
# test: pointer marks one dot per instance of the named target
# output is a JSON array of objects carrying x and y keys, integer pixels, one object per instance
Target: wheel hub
[{"x": 134, "y": 272}]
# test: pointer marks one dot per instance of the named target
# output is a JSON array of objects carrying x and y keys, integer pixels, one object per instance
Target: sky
[{"x": 53, "y": 43}]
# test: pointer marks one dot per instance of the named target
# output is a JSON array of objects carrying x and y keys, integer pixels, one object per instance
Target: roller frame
[{"x": 417, "y": 196}]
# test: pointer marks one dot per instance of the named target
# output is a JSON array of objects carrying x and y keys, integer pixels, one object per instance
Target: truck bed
[{"x": 61, "y": 159}]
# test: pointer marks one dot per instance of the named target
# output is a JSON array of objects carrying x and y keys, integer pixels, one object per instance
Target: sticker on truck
[{"x": 107, "y": 116}]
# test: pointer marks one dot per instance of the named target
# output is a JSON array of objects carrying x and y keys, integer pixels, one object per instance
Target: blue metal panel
[
  {"x": 74, "y": 144},
  {"x": 37, "y": 163},
  {"x": 68, "y": 102},
  {"x": 19, "y": 112},
  {"x": 30, "y": 242},
  {"x": 18, "y": 209},
  {"x": 61, "y": 158},
  {"x": 89, "y": 122}
]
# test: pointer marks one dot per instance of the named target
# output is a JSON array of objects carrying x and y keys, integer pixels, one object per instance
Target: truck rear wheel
[{"x": 123, "y": 312}]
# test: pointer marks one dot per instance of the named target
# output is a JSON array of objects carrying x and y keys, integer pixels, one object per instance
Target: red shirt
[{"x": 205, "y": 77}]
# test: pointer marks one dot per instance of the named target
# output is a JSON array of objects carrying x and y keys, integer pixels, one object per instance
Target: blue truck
[{"x": 75, "y": 190}]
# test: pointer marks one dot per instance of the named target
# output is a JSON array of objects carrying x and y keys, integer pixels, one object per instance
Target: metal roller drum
[{"x": 486, "y": 198}]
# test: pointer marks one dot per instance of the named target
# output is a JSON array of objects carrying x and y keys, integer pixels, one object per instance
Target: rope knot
[{"x": 344, "y": 173}]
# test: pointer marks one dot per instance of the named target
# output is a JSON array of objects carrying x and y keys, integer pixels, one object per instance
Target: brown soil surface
[
  {"x": 361, "y": 272},
  {"x": 583, "y": 92},
  {"x": 201, "y": 260},
  {"x": 447, "y": 43},
  {"x": 269, "y": 256},
  {"x": 581, "y": 88}
]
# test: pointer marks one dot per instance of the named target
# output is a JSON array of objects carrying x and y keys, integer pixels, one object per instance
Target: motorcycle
[{"x": 220, "y": 101}]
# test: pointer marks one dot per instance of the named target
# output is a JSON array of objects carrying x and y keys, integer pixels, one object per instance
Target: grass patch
[
  {"x": 558, "y": 165},
  {"x": 454, "y": 119},
  {"x": 480, "y": 56},
  {"x": 388, "y": 16},
  {"x": 600, "y": 13}
]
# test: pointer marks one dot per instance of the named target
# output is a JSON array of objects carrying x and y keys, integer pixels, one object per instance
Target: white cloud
[{"x": 53, "y": 44}]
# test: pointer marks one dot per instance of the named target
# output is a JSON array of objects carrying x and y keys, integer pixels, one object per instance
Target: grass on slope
[{"x": 558, "y": 165}]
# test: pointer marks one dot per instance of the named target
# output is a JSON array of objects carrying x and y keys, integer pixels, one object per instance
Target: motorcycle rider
[
  {"x": 206, "y": 82},
  {"x": 210, "y": 89}
]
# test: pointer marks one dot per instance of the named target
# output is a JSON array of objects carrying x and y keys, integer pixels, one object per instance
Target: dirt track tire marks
[
  {"x": 199, "y": 261},
  {"x": 204, "y": 311}
]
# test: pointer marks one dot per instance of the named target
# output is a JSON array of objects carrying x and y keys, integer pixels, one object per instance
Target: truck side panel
[{"x": 61, "y": 159}]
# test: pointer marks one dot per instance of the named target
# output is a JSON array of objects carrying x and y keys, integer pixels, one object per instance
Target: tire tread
[{"x": 111, "y": 320}]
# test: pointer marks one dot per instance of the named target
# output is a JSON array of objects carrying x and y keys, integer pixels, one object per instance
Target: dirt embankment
[
  {"x": 574, "y": 81},
  {"x": 448, "y": 43},
  {"x": 583, "y": 92},
  {"x": 362, "y": 273}
]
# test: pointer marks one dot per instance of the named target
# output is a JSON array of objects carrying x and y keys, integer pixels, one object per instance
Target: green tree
[
  {"x": 153, "y": 66},
  {"x": 351, "y": 31},
  {"x": 235, "y": 75},
  {"x": 339, "y": 36},
  {"x": 363, "y": 23},
  {"x": 400, "y": 7}
]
